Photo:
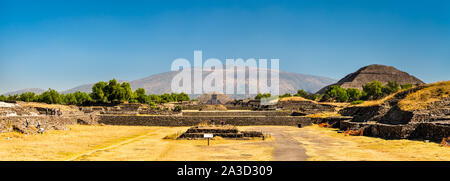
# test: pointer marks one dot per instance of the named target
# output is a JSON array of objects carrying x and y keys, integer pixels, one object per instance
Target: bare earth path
[
  {"x": 315, "y": 143},
  {"x": 286, "y": 148}
]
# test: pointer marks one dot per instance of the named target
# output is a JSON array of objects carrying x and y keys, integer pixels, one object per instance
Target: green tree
[
  {"x": 302, "y": 93},
  {"x": 167, "y": 98},
  {"x": 3, "y": 98},
  {"x": 337, "y": 93},
  {"x": 373, "y": 90},
  {"x": 259, "y": 96},
  {"x": 314, "y": 97},
  {"x": 14, "y": 97},
  {"x": 117, "y": 93},
  {"x": 391, "y": 87},
  {"x": 155, "y": 98},
  {"x": 113, "y": 91},
  {"x": 98, "y": 92},
  {"x": 28, "y": 97},
  {"x": 82, "y": 98},
  {"x": 285, "y": 95},
  {"x": 70, "y": 99},
  {"x": 183, "y": 97},
  {"x": 354, "y": 94},
  {"x": 140, "y": 95},
  {"x": 125, "y": 92},
  {"x": 50, "y": 97}
]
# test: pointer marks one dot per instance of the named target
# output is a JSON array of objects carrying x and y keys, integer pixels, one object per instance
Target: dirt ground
[
  {"x": 147, "y": 143},
  {"x": 325, "y": 144}
]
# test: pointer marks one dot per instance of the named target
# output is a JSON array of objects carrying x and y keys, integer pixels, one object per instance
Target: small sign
[{"x": 208, "y": 135}]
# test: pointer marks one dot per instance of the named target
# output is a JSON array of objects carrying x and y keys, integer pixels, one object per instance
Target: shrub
[
  {"x": 50, "y": 97},
  {"x": 338, "y": 93},
  {"x": 391, "y": 87},
  {"x": 357, "y": 102},
  {"x": 285, "y": 95},
  {"x": 28, "y": 97},
  {"x": 69, "y": 99},
  {"x": 140, "y": 96},
  {"x": 354, "y": 94},
  {"x": 177, "y": 109},
  {"x": 13, "y": 97},
  {"x": 373, "y": 90},
  {"x": 302, "y": 93},
  {"x": 82, "y": 98},
  {"x": 406, "y": 86},
  {"x": 98, "y": 92},
  {"x": 259, "y": 96},
  {"x": 3, "y": 98}
]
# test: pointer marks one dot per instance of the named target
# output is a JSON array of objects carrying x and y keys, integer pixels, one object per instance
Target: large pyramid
[{"x": 374, "y": 72}]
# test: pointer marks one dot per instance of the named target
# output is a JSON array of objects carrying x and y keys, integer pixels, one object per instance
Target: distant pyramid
[
  {"x": 374, "y": 72},
  {"x": 214, "y": 98}
]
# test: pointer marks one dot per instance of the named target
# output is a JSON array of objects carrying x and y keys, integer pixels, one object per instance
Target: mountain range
[{"x": 160, "y": 83}]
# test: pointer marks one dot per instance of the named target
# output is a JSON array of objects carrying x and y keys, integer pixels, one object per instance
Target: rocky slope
[{"x": 389, "y": 120}]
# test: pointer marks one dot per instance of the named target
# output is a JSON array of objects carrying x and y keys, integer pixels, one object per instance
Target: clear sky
[{"x": 62, "y": 44}]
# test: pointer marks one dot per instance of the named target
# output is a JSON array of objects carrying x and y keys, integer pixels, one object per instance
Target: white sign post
[{"x": 208, "y": 136}]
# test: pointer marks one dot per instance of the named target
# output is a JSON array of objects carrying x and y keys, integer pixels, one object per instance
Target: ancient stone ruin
[
  {"x": 214, "y": 98},
  {"x": 230, "y": 132},
  {"x": 389, "y": 121},
  {"x": 374, "y": 72}
]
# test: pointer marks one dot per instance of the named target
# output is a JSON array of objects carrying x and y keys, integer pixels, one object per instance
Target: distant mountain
[
  {"x": 35, "y": 90},
  {"x": 84, "y": 88},
  {"x": 161, "y": 83},
  {"x": 289, "y": 82},
  {"x": 81, "y": 88},
  {"x": 374, "y": 72}
]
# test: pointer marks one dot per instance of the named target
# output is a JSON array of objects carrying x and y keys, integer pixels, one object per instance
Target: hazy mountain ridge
[
  {"x": 161, "y": 83},
  {"x": 18, "y": 92}
]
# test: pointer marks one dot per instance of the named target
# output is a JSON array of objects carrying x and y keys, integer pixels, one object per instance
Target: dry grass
[
  {"x": 125, "y": 143},
  {"x": 147, "y": 143},
  {"x": 62, "y": 145},
  {"x": 323, "y": 115},
  {"x": 338, "y": 104},
  {"x": 294, "y": 98},
  {"x": 375, "y": 102},
  {"x": 422, "y": 98},
  {"x": 337, "y": 146},
  {"x": 218, "y": 107}
]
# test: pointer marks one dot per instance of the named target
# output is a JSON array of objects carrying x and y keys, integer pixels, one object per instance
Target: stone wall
[
  {"x": 307, "y": 107},
  {"x": 18, "y": 123},
  {"x": 192, "y": 121},
  {"x": 428, "y": 131},
  {"x": 237, "y": 113},
  {"x": 228, "y": 106},
  {"x": 431, "y": 131}
]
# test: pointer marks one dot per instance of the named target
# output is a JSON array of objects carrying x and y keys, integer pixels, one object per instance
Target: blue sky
[{"x": 62, "y": 44}]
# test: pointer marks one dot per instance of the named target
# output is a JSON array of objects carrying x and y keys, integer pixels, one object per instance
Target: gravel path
[{"x": 286, "y": 148}]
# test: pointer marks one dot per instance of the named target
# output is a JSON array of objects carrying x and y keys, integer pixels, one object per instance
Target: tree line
[
  {"x": 111, "y": 92},
  {"x": 371, "y": 91}
]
